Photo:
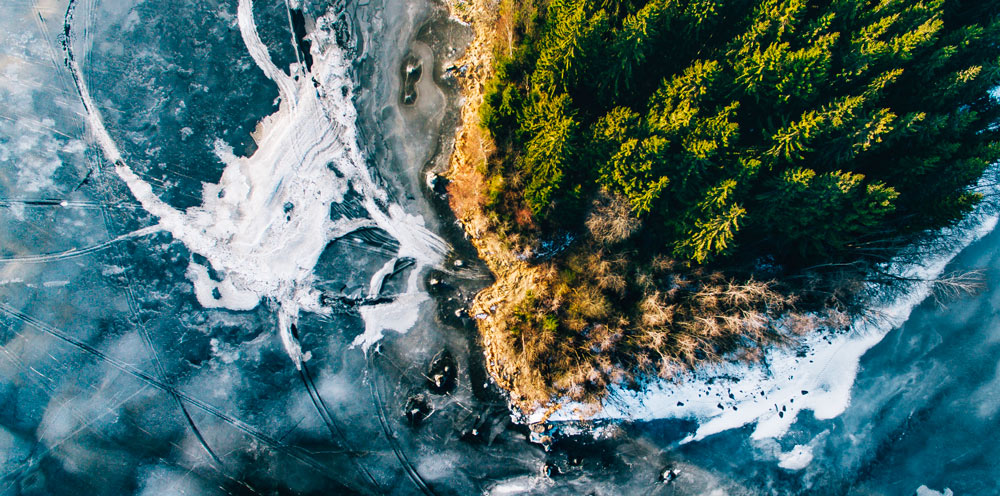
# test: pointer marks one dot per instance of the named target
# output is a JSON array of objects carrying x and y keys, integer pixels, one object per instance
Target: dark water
[{"x": 114, "y": 380}]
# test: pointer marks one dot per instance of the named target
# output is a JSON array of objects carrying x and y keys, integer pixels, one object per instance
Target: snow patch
[
  {"x": 926, "y": 491},
  {"x": 797, "y": 458},
  {"x": 225, "y": 352},
  {"x": 162, "y": 480},
  {"x": 399, "y": 315},
  {"x": 112, "y": 270}
]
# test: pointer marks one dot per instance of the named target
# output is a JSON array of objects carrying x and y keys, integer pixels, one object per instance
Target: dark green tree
[{"x": 791, "y": 127}]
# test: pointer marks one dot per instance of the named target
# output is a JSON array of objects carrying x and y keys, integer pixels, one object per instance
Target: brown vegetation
[
  {"x": 611, "y": 220},
  {"x": 591, "y": 320}
]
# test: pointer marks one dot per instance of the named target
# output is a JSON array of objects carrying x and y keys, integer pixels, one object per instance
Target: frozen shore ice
[{"x": 263, "y": 227}]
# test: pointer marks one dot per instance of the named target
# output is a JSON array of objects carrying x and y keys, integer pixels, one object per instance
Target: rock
[
  {"x": 471, "y": 427},
  {"x": 458, "y": 263},
  {"x": 669, "y": 475},
  {"x": 442, "y": 375},
  {"x": 437, "y": 183},
  {"x": 417, "y": 408},
  {"x": 545, "y": 441}
]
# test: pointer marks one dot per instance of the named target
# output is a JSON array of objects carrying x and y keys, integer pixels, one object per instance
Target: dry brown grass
[{"x": 572, "y": 327}]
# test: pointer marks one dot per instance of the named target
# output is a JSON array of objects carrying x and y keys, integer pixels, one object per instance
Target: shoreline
[
  {"x": 464, "y": 272},
  {"x": 431, "y": 37},
  {"x": 513, "y": 278}
]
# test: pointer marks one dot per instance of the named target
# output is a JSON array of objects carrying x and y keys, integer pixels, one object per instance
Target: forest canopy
[
  {"x": 794, "y": 128},
  {"x": 687, "y": 181}
]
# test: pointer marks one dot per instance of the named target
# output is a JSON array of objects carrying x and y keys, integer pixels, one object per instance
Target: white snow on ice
[
  {"x": 398, "y": 316},
  {"x": 242, "y": 227},
  {"x": 798, "y": 458},
  {"x": 926, "y": 491}
]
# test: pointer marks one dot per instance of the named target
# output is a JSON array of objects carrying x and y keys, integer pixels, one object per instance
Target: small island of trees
[{"x": 688, "y": 174}]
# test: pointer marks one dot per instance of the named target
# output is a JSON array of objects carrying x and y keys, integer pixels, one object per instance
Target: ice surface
[
  {"x": 120, "y": 381},
  {"x": 265, "y": 224}
]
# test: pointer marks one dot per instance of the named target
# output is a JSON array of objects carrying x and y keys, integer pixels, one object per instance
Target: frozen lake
[{"x": 222, "y": 272}]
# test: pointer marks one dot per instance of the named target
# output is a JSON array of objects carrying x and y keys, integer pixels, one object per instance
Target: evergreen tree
[{"x": 794, "y": 126}]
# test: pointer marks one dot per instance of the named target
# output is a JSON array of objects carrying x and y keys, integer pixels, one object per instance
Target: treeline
[{"x": 804, "y": 130}]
